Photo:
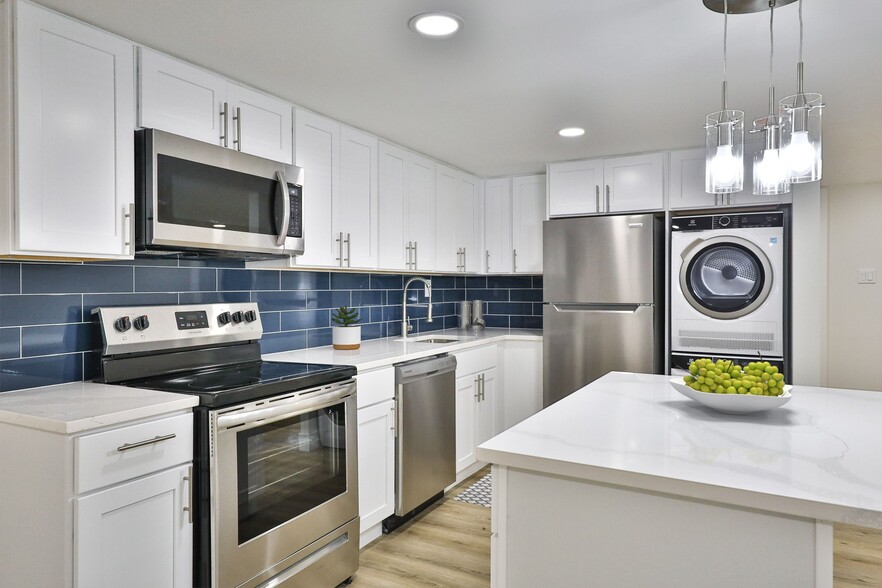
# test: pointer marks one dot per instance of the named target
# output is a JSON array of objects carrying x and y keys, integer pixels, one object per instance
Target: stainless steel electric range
[{"x": 275, "y": 457}]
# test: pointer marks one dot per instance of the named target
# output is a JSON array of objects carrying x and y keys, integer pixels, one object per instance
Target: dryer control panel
[{"x": 750, "y": 220}]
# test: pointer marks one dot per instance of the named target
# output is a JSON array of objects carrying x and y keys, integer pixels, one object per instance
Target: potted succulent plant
[{"x": 346, "y": 333}]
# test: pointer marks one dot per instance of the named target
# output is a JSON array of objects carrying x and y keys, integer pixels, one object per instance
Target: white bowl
[{"x": 732, "y": 403}]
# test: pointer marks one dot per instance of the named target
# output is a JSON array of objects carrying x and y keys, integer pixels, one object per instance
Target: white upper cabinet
[
  {"x": 74, "y": 89},
  {"x": 318, "y": 153},
  {"x": 186, "y": 100},
  {"x": 686, "y": 188},
  {"x": 355, "y": 217},
  {"x": 574, "y": 187},
  {"x": 527, "y": 214},
  {"x": 498, "y": 252},
  {"x": 605, "y": 186},
  {"x": 457, "y": 220},
  {"x": 406, "y": 220},
  {"x": 633, "y": 183}
]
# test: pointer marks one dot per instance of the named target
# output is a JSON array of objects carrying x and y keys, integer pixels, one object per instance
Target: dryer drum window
[{"x": 726, "y": 279}]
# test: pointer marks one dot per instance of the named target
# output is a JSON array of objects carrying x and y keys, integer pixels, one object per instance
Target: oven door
[
  {"x": 283, "y": 475},
  {"x": 201, "y": 197}
]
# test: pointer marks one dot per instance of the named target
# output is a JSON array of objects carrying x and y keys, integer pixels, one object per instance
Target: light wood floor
[{"x": 448, "y": 545}]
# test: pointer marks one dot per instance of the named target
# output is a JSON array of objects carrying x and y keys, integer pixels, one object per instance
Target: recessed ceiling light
[
  {"x": 571, "y": 132},
  {"x": 435, "y": 24}
]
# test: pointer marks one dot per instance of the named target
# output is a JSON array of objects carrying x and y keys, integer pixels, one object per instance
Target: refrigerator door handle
[{"x": 604, "y": 308}]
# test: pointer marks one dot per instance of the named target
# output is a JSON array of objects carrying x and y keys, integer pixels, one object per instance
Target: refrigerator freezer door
[
  {"x": 606, "y": 259},
  {"x": 585, "y": 341}
]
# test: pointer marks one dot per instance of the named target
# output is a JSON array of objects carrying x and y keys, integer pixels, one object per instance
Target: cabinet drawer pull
[
  {"x": 348, "y": 250},
  {"x": 607, "y": 198},
  {"x": 226, "y": 120},
  {"x": 597, "y": 198},
  {"x": 238, "y": 118},
  {"x": 189, "y": 508},
  {"x": 157, "y": 439}
]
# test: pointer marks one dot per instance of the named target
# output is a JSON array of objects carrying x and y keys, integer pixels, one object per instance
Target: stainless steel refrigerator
[{"x": 603, "y": 299}]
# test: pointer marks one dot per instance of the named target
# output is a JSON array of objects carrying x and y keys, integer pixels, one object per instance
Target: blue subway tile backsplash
[{"x": 47, "y": 335}]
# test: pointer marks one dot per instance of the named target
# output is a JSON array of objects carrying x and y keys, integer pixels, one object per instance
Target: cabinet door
[
  {"x": 574, "y": 187},
  {"x": 75, "y": 112},
  {"x": 260, "y": 124},
  {"x": 635, "y": 182},
  {"x": 182, "y": 99},
  {"x": 522, "y": 381},
  {"x": 686, "y": 186},
  {"x": 376, "y": 463},
  {"x": 318, "y": 153},
  {"x": 485, "y": 408},
  {"x": 356, "y": 212},
  {"x": 419, "y": 202},
  {"x": 466, "y": 388},
  {"x": 390, "y": 220},
  {"x": 447, "y": 246},
  {"x": 497, "y": 226},
  {"x": 135, "y": 534},
  {"x": 467, "y": 216},
  {"x": 527, "y": 214}
]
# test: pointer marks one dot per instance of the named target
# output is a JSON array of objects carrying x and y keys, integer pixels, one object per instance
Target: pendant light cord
[
  {"x": 771, "y": 56},
  {"x": 725, "y": 45},
  {"x": 800, "y": 31}
]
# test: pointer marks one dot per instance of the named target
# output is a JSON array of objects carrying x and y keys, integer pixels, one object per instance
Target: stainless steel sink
[{"x": 436, "y": 340}]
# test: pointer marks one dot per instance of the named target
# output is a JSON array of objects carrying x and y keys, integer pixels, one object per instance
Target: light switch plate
[{"x": 866, "y": 276}]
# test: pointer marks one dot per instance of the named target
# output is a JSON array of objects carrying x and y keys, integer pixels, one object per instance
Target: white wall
[
  {"x": 854, "y": 240},
  {"x": 809, "y": 291}
]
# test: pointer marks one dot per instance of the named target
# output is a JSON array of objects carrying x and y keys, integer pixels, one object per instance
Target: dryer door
[{"x": 725, "y": 277}]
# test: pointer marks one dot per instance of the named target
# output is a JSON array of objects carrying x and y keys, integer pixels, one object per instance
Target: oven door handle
[{"x": 285, "y": 408}]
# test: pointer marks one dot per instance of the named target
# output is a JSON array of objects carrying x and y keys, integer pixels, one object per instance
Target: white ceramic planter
[{"x": 346, "y": 337}]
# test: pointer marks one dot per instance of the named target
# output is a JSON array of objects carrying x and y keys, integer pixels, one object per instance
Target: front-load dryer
[{"x": 728, "y": 288}]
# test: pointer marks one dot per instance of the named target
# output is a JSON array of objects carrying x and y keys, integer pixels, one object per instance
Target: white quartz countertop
[
  {"x": 82, "y": 406},
  {"x": 377, "y": 353},
  {"x": 819, "y": 456}
]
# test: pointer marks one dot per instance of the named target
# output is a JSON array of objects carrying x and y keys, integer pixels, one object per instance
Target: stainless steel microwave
[{"x": 194, "y": 199}]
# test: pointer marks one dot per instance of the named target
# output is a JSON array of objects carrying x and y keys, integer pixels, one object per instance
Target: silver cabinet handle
[
  {"x": 226, "y": 122},
  {"x": 392, "y": 410},
  {"x": 238, "y": 140},
  {"x": 478, "y": 388},
  {"x": 416, "y": 254},
  {"x": 189, "y": 508},
  {"x": 463, "y": 259},
  {"x": 408, "y": 262},
  {"x": 459, "y": 259},
  {"x": 514, "y": 260},
  {"x": 339, "y": 241},
  {"x": 488, "y": 260},
  {"x": 285, "y": 212},
  {"x": 597, "y": 197},
  {"x": 157, "y": 439},
  {"x": 128, "y": 229},
  {"x": 348, "y": 251},
  {"x": 607, "y": 198}
]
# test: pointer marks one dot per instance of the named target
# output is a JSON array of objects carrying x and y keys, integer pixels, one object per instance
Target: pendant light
[
  {"x": 802, "y": 134},
  {"x": 770, "y": 176},
  {"x": 724, "y": 155}
]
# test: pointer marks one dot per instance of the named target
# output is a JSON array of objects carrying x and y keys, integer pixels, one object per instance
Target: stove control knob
[
  {"x": 237, "y": 317},
  {"x": 250, "y": 316},
  {"x": 141, "y": 322},
  {"x": 122, "y": 324},
  {"x": 223, "y": 318}
]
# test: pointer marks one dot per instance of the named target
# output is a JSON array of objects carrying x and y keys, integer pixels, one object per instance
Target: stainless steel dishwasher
[{"x": 425, "y": 434}]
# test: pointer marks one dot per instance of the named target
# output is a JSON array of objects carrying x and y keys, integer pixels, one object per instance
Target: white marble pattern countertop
[
  {"x": 83, "y": 406},
  {"x": 378, "y": 353},
  {"x": 819, "y": 456}
]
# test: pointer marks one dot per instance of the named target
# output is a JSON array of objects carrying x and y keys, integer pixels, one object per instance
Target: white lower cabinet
[
  {"x": 98, "y": 509},
  {"x": 136, "y": 534},
  {"x": 476, "y": 402},
  {"x": 376, "y": 450},
  {"x": 521, "y": 381}
]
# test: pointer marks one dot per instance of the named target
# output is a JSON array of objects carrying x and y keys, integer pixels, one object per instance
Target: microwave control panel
[{"x": 295, "y": 227}]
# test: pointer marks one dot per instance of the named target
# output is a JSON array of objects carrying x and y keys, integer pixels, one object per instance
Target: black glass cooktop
[{"x": 226, "y": 385}]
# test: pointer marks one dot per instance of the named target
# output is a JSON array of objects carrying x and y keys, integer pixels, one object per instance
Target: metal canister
[
  {"x": 465, "y": 314},
  {"x": 478, "y": 314}
]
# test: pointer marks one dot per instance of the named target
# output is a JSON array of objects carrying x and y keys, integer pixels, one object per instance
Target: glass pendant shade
[
  {"x": 802, "y": 137},
  {"x": 770, "y": 175},
  {"x": 724, "y": 154}
]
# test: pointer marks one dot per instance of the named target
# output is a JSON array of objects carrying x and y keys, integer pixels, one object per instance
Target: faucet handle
[{"x": 409, "y": 326}]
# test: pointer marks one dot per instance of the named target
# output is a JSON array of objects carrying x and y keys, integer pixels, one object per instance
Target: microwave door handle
[{"x": 285, "y": 196}]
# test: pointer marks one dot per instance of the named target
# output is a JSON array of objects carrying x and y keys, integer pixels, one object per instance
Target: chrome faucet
[{"x": 406, "y": 327}]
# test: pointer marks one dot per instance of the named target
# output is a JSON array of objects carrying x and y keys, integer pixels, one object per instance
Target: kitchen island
[{"x": 627, "y": 483}]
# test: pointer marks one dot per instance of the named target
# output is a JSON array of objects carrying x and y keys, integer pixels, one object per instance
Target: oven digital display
[{"x": 194, "y": 319}]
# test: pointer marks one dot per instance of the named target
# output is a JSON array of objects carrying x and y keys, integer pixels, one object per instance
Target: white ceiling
[{"x": 639, "y": 75}]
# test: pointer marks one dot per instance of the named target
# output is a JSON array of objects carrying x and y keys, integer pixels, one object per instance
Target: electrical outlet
[{"x": 866, "y": 276}]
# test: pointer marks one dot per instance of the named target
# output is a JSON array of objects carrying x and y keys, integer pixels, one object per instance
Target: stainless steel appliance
[
  {"x": 603, "y": 293},
  {"x": 425, "y": 434},
  {"x": 275, "y": 456},
  {"x": 198, "y": 199}
]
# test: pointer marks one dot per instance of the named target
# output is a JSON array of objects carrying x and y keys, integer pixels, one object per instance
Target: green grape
[
  {"x": 702, "y": 371},
  {"x": 700, "y": 379},
  {"x": 693, "y": 369},
  {"x": 705, "y": 388},
  {"x": 731, "y": 390},
  {"x": 695, "y": 386},
  {"x": 688, "y": 379},
  {"x": 766, "y": 376},
  {"x": 742, "y": 390},
  {"x": 778, "y": 377}
]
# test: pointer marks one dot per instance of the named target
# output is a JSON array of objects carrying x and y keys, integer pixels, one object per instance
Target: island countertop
[{"x": 819, "y": 456}]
